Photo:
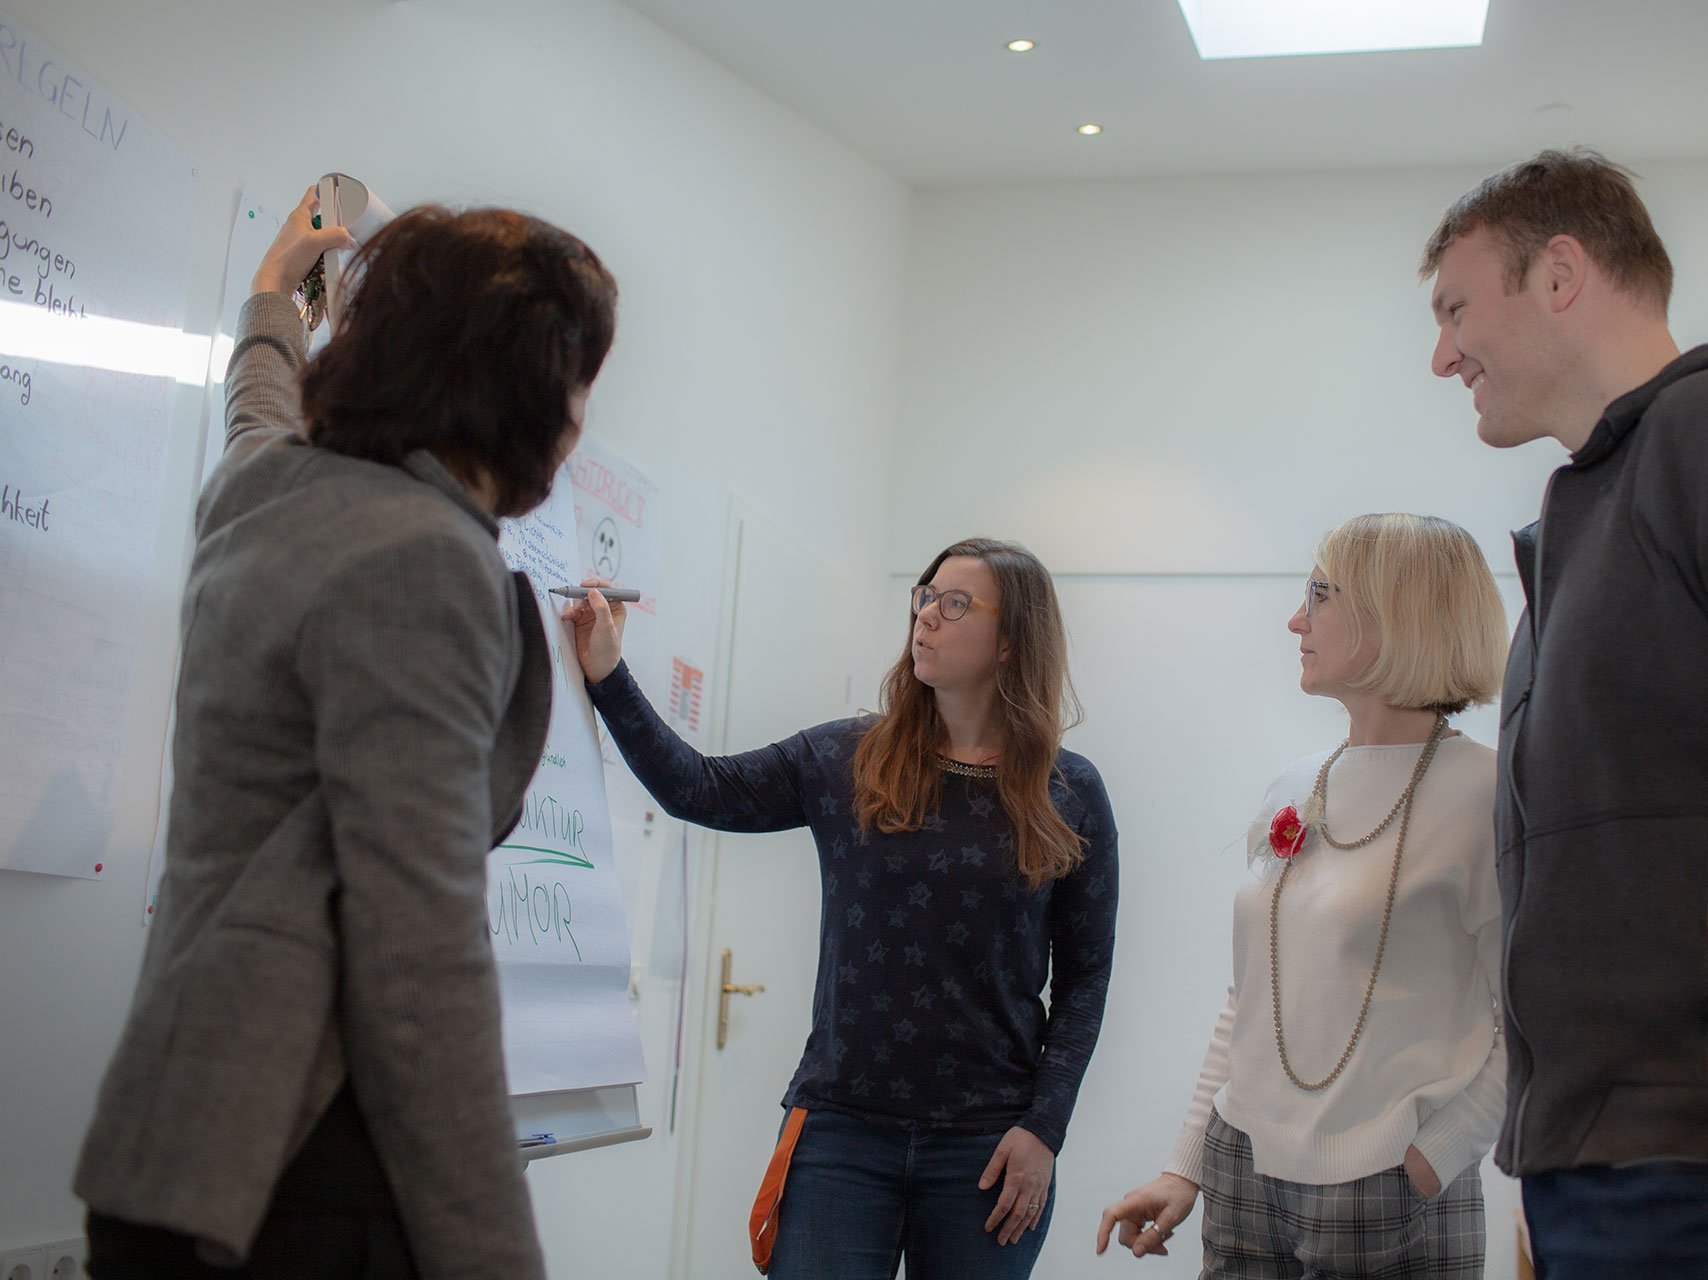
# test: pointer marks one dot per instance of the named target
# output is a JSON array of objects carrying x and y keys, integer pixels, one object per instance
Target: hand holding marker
[
  {"x": 595, "y": 623},
  {"x": 624, "y": 595}
]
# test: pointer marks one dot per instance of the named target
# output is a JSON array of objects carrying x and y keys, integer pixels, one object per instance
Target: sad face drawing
[{"x": 607, "y": 551}]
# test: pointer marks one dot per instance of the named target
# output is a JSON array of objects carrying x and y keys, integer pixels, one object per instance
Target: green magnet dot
[
  {"x": 316, "y": 221},
  {"x": 252, "y": 213}
]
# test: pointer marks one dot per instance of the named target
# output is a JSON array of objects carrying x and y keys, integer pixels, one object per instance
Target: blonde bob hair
[{"x": 1421, "y": 582}]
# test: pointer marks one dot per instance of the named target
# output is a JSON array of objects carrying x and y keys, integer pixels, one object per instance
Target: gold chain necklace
[{"x": 1316, "y": 811}]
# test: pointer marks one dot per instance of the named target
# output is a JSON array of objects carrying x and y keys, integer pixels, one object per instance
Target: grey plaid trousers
[{"x": 1376, "y": 1228}]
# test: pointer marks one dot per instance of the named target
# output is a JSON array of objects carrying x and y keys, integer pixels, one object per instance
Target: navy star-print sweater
[{"x": 933, "y": 954}]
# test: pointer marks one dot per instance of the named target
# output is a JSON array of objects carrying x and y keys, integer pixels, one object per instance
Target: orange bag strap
[{"x": 762, "y": 1222}]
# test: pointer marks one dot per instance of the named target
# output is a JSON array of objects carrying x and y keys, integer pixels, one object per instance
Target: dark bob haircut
[{"x": 464, "y": 334}]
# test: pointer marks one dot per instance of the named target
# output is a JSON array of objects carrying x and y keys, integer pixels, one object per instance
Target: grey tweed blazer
[{"x": 364, "y": 697}]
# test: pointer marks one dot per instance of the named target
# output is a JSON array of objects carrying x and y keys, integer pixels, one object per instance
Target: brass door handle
[{"x": 726, "y": 989}]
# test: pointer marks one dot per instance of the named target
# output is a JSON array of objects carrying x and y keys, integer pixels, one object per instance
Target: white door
[{"x": 792, "y": 653}]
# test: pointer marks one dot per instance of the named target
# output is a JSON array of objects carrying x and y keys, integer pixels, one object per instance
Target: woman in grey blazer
[{"x": 311, "y": 1082}]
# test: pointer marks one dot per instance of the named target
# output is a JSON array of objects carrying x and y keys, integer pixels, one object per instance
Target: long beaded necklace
[{"x": 1316, "y": 816}]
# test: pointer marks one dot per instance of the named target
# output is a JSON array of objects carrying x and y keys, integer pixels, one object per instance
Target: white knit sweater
[{"x": 1430, "y": 1067}]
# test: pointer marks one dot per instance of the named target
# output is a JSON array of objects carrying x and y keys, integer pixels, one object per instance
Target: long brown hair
[{"x": 897, "y": 784}]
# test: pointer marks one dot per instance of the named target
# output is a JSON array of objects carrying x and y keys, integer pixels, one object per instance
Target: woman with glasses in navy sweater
[{"x": 967, "y": 862}]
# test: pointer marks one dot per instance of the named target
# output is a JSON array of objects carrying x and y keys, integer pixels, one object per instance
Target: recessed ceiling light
[
  {"x": 1021, "y": 46},
  {"x": 1090, "y": 130},
  {"x": 1277, "y": 28}
]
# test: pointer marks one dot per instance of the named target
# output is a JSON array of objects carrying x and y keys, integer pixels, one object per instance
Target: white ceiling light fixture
[
  {"x": 1281, "y": 28},
  {"x": 1021, "y": 46},
  {"x": 1090, "y": 130}
]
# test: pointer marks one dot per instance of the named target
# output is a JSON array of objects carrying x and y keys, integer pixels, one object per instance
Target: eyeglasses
[
  {"x": 1316, "y": 595},
  {"x": 952, "y": 605}
]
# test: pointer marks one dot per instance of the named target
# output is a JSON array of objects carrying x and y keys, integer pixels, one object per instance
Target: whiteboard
[
  {"x": 558, "y": 923},
  {"x": 91, "y": 348},
  {"x": 578, "y": 1121}
]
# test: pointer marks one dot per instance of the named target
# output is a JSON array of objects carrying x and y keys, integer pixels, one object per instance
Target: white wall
[
  {"x": 1170, "y": 390},
  {"x": 1202, "y": 375},
  {"x": 761, "y": 265}
]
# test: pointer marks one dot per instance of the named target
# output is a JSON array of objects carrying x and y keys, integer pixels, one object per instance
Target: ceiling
[{"x": 926, "y": 89}]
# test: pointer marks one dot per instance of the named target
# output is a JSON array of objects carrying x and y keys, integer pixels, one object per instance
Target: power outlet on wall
[
  {"x": 61, "y": 1260},
  {"x": 24, "y": 1264},
  {"x": 65, "y": 1259}
]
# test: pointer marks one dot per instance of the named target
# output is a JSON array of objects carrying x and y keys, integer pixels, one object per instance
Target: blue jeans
[
  {"x": 860, "y": 1197},
  {"x": 1639, "y": 1222}
]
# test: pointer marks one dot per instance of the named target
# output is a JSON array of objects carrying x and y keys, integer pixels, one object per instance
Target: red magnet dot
[
  {"x": 97, "y": 868},
  {"x": 151, "y": 911}
]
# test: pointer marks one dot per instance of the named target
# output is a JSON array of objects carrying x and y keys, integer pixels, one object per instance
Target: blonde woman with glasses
[{"x": 1356, "y": 1076}]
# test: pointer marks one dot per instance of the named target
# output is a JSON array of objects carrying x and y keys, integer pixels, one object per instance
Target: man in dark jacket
[{"x": 1551, "y": 291}]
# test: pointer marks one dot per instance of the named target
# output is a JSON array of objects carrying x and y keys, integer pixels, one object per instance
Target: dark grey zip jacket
[{"x": 1601, "y": 812}]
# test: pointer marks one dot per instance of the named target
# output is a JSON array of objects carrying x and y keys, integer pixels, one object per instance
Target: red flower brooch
[{"x": 1287, "y": 833}]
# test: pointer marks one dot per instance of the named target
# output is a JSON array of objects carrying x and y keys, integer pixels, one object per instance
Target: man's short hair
[{"x": 1579, "y": 193}]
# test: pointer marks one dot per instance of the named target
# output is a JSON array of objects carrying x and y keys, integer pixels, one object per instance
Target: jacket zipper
[{"x": 1516, "y": 1036}]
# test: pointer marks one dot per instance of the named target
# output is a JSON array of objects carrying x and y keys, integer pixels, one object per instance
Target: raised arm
[
  {"x": 262, "y": 398},
  {"x": 755, "y": 791}
]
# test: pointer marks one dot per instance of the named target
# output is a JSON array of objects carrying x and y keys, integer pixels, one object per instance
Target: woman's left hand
[
  {"x": 1024, "y": 1164},
  {"x": 1422, "y": 1177},
  {"x": 297, "y": 248}
]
